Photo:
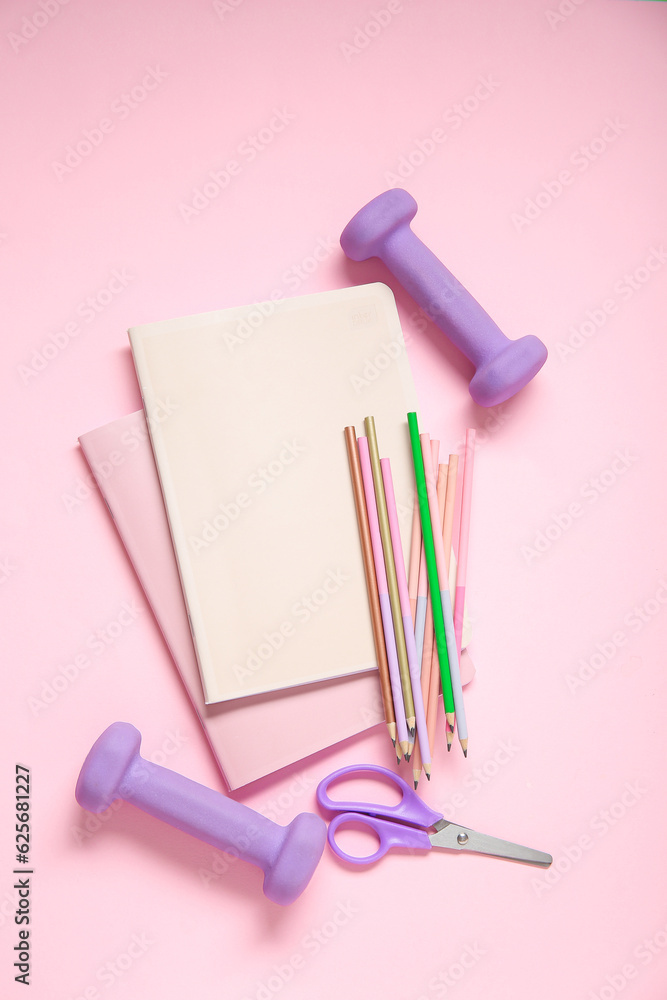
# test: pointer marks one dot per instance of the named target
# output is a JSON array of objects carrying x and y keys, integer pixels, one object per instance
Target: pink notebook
[{"x": 249, "y": 737}]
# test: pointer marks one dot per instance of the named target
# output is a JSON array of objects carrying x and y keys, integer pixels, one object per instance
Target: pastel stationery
[
  {"x": 371, "y": 579},
  {"x": 433, "y": 681},
  {"x": 429, "y": 552},
  {"x": 464, "y": 533},
  {"x": 251, "y": 464},
  {"x": 392, "y": 581},
  {"x": 404, "y": 825},
  {"x": 415, "y": 555},
  {"x": 249, "y": 737},
  {"x": 402, "y": 735},
  {"x": 443, "y": 580},
  {"x": 408, "y": 629},
  {"x": 421, "y": 609}
]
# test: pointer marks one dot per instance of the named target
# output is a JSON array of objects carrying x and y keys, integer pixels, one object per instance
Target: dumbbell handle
[
  {"x": 202, "y": 812},
  {"x": 442, "y": 297}
]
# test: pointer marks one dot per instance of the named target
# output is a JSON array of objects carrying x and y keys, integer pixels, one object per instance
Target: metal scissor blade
[{"x": 460, "y": 838}]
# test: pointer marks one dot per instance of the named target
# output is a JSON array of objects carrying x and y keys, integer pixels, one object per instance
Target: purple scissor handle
[
  {"x": 385, "y": 821},
  {"x": 394, "y": 826}
]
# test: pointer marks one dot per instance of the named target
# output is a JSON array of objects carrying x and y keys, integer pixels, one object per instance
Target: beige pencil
[{"x": 392, "y": 582}]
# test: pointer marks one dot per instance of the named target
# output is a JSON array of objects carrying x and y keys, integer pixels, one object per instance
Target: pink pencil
[
  {"x": 433, "y": 670},
  {"x": 415, "y": 554},
  {"x": 424, "y": 639},
  {"x": 404, "y": 597},
  {"x": 464, "y": 534},
  {"x": 383, "y": 593}
]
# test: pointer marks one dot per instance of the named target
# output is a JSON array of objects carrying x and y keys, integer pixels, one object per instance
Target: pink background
[{"x": 573, "y": 768}]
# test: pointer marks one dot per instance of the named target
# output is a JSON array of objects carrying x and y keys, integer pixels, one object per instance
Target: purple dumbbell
[
  {"x": 382, "y": 229},
  {"x": 288, "y": 854}
]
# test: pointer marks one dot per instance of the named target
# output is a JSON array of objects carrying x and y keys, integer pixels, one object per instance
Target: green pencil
[{"x": 432, "y": 570}]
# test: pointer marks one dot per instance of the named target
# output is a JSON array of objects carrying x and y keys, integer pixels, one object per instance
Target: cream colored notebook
[{"x": 246, "y": 409}]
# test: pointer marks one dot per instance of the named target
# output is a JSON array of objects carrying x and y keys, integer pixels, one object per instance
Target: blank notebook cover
[
  {"x": 250, "y": 737},
  {"x": 246, "y": 409}
]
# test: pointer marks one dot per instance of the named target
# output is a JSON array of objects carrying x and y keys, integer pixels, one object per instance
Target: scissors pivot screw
[{"x": 462, "y": 838}]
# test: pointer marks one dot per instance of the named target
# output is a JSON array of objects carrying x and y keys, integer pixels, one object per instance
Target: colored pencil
[
  {"x": 445, "y": 597},
  {"x": 432, "y": 666},
  {"x": 383, "y": 595},
  {"x": 464, "y": 534},
  {"x": 415, "y": 555},
  {"x": 430, "y": 677},
  {"x": 408, "y": 628},
  {"x": 371, "y": 580},
  {"x": 390, "y": 567},
  {"x": 422, "y": 587},
  {"x": 432, "y": 569}
]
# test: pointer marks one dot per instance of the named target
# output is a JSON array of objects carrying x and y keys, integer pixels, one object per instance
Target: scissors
[{"x": 405, "y": 824}]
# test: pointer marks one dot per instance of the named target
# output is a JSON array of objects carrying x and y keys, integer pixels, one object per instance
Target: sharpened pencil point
[
  {"x": 398, "y": 759},
  {"x": 407, "y": 757},
  {"x": 412, "y": 732},
  {"x": 394, "y": 742},
  {"x": 465, "y": 753},
  {"x": 449, "y": 747},
  {"x": 416, "y": 783},
  {"x": 428, "y": 776}
]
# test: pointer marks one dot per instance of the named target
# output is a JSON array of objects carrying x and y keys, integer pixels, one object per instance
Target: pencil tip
[
  {"x": 465, "y": 753},
  {"x": 416, "y": 783},
  {"x": 412, "y": 732},
  {"x": 428, "y": 775},
  {"x": 449, "y": 747},
  {"x": 398, "y": 759},
  {"x": 407, "y": 757},
  {"x": 394, "y": 742}
]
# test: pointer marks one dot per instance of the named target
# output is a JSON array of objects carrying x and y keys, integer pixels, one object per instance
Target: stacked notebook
[{"x": 232, "y": 497}]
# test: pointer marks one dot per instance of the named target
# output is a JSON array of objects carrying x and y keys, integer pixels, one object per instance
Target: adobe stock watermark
[
  {"x": 120, "y": 109},
  {"x": 646, "y": 952},
  {"x": 311, "y": 944},
  {"x": 223, "y": 7},
  {"x": 97, "y": 643},
  {"x": 600, "y": 825},
  {"x": 240, "y": 332},
  {"x": 7, "y": 569},
  {"x": 257, "y": 483},
  {"x": 86, "y": 312},
  {"x": 445, "y": 980},
  {"x": 481, "y": 776},
  {"x": 246, "y": 152},
  {"x": 92, "y": 822},
  {"x": 580, "y": 159},
  {"x": 222, "y": 862},
  {"x": 111, "y": 971},
  {"x": 365, "y": 33},
  {"x": 302, "y": 611},
  {"x": 606, "y": 651},
  {"x": 453, "y": 118},
  {"x": 32, "y": 24},
  {"x": 624, "y": 289},
  {"x": 282, "y": 803},
  {"x": 564, "y": 10},
  {"x": 372, "y": 368},
  {"x": 591, "y": 491},
  {"x": 85, "y": 486}
]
